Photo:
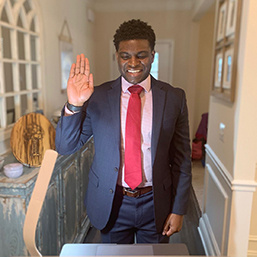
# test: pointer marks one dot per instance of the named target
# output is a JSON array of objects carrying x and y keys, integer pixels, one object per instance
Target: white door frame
[{"x": 171, "y": 44}]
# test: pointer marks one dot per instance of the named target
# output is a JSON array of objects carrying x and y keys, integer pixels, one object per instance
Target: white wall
[
  {"x": 204, "y": 66},
  {"x": 53, "y": 15}
]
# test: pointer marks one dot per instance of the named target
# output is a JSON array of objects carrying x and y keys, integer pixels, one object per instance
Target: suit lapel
[
  {"x": 114, "y": 94},
  {"x": 158, "y": 107}
]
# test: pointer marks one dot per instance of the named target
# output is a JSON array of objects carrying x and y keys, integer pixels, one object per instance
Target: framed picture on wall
[
  {"x": 226, "y": 41},
  {"x": 222, "y": 21},
  {"x": 218, "y": 69},
  {"x": 66, "y": 54},
  {"x": 231, "y": 19},
  {"x": 228, "y": 60}
]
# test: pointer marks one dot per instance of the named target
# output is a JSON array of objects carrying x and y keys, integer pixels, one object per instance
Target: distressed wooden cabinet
[{"x": 63, "y": 218}]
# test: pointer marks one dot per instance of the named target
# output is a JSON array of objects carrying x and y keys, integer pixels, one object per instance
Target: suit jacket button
[
  {"x": 116, "y": 169},
  {"x": 111, "y": 191}
]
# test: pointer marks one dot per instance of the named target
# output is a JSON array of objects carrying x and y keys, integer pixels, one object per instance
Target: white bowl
[{"x": 13, "y": 170}]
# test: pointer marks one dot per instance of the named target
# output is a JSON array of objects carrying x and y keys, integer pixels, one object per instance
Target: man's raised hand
[{"x": 80, "y": 84}]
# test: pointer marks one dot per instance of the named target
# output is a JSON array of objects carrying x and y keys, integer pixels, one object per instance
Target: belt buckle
[{"x": 135, "y": 193}]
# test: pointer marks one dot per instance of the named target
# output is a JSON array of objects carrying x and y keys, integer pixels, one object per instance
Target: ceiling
[{"x": 140, "y": 5}]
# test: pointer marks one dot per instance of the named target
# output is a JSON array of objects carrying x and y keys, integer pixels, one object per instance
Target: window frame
[{"x": 31, "y": 29}]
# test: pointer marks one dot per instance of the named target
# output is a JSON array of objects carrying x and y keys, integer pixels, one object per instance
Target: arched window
[{"x": 20, "y": 61}]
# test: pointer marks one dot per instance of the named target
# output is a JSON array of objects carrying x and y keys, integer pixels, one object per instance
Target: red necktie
[{"x": 133, "y": 163}]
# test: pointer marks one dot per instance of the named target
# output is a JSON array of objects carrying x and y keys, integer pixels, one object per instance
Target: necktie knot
[{"x": 136, "y": 89}]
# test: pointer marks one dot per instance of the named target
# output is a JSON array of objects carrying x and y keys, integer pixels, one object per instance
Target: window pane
[
  {"x": 34, "y": 76},
  {"x": 229, "y": 63},
  {"x": 21, "y": 48},
  {"x": 4, "y": 16},
  {"x": 13, "y": 2},
  {"x": 32, "y": 25},
  {"x": 6, "y": 37},
  {"x": 33, "y": 48},
  {"x": 35, "y": 102},
  {"x": 8, "y": 77},
  {"x": 10, "y": 110},
  {"x": 220, "y": 70},
  {"x": 27, "y": 6},
  {"x": 22, "y": 69},
  {"x": 24, "y": 104},
  {"x": 20, "y": 23}
]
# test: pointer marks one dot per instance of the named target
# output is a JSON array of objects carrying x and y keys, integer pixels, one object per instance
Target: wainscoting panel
[
  {"x": 213, "y": 226},
  {"x": 216, "y": 206}
]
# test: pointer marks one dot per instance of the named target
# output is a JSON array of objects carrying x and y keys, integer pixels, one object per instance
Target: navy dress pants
[{"x": 132, "y": 221}]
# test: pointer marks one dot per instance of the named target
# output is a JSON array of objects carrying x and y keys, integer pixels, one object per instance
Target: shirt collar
[{"x": 146, "y": 84}]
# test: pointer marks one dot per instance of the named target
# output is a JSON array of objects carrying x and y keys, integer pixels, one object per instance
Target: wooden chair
[{"x": 37, "y": 200}]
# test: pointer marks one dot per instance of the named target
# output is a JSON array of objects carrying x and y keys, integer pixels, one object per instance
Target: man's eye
[
  {"x": 142, "y": 56},
  {"x": 124, "y": 56}
]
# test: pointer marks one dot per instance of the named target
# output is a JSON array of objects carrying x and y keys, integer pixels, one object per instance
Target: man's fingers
[
  {"x": 72, "y": 70},
  {"x": 165, "y": 228},
  {"x": 168, "y": 231},
  {"x": 173, "y": 224},
  {"x": 77, "y": 68},
  {"x": 82, "y": 63},
  {"x": 87, "y": 67}
]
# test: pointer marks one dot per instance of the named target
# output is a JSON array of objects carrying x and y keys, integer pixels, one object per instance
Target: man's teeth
[{"x": 133, "y": 71}]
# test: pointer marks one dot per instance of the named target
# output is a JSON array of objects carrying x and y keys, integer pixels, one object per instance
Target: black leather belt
[{"x": 137, "y": 191}]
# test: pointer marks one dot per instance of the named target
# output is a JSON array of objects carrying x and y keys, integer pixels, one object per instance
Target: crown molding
[
  {"x": 142, "y": 5},
  {"x": 201, "y": 7}
]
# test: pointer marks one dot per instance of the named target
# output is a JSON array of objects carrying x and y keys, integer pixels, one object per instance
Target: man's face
[{"x": 134, "y": 60}]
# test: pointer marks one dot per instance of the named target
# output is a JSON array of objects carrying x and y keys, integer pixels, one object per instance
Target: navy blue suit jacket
[{"x": 170, "y": 149}]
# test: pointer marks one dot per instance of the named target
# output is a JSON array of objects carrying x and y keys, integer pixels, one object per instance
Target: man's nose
[{"x": 133, "y": 61}]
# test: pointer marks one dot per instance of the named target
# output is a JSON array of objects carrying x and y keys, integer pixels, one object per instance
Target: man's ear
[{"x": 117, "y": 55}]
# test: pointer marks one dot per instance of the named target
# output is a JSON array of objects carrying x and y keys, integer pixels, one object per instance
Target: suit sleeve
[
  {"x": 73, "y": 131},
  {"x": 180, "y": 156}
]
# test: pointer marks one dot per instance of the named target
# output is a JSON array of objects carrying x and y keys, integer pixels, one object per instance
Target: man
[{"x": 150, "y": 206}]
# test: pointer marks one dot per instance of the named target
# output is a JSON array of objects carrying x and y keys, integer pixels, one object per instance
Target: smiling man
[
  {"x": 135, "y": 58},
  {"x": 141, "y": 173}
]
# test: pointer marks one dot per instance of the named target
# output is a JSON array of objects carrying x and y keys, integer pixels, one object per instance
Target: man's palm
[{"x": 80, "y": 84}]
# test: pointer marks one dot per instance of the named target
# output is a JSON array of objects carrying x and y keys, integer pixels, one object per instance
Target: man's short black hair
[{"x": 134, "y": 29}]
